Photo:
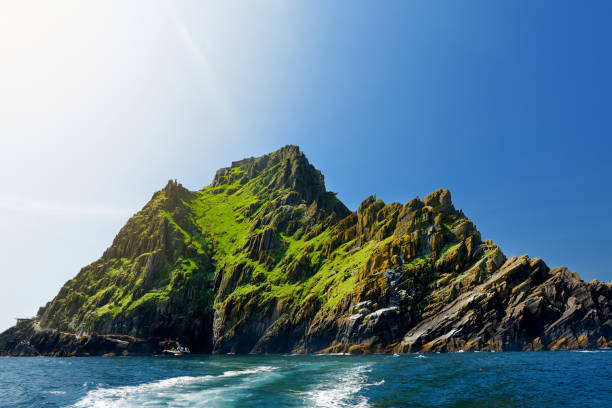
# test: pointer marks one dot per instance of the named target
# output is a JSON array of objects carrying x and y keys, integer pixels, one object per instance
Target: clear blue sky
[{"x": 507, "y": 105}]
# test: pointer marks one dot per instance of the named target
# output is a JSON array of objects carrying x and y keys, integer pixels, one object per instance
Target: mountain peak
[
  {"x": 440, "y": 199},
  {"x": 285, "y": 168}
]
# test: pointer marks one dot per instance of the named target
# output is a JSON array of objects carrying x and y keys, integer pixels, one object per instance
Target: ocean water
[{"x": 537, "y": 379}]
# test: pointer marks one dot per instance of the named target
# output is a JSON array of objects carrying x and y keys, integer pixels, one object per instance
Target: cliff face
[{"x": 266, "y": 260}]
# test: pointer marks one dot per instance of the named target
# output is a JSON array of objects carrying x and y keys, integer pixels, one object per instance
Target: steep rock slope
[{"x": 266, "y": 260}]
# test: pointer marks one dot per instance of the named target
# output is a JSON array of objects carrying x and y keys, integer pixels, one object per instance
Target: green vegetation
[{"x": 264, "y": 231}]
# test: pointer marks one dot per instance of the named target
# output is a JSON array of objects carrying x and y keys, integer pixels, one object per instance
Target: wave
[
  {"x": 176, "y": 391},
  {"x": 255, "y": 370},
  {"x": 344, "y": 392},
  {"x": 331, "y": 354}
]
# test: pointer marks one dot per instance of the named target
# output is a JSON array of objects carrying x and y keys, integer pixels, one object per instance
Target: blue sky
[{"x": 507, "y": 105}]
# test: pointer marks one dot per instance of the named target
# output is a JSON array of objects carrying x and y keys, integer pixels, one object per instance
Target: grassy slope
[
  {"x": 219, "y": 211},
  {"x": 215, "y": 223}
]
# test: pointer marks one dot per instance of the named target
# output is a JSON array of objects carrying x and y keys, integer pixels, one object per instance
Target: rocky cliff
[{"x": 266, "y": 260}]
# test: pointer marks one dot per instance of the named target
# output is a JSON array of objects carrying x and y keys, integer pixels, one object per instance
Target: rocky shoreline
[{"x": 28, "y": 339}]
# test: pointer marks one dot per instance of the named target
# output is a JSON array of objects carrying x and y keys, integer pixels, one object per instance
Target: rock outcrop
[{"x": 266, "y": 260}]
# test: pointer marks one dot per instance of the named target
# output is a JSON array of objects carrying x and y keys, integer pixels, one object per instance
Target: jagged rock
[
  {"x": 261, "y": 246},
  {"x": 516, "y": 309},
  {"x": 266, "y": 260},
  {"x": 440, "y": 200}
]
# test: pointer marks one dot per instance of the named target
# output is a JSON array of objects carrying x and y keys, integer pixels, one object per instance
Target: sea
[{"x": 471, "y": 379}]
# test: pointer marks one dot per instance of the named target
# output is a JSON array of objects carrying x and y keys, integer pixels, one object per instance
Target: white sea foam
[
  {"x": 255, "y": 370},
  {"x": 54, "y": 392},
  {"x": 184, "y": 391},
  {"x": 342, "y": 391}
]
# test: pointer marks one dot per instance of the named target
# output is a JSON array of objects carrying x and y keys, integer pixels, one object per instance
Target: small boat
[{"x": 176, "y": 352}]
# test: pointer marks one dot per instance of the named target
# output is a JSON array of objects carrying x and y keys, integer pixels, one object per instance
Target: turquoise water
[{"x": 544, "y": 379}]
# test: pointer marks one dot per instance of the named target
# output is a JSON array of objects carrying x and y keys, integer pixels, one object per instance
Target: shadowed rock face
[
  {"x": 523, "y": 306},
  {"x": 265, "y": 259}
]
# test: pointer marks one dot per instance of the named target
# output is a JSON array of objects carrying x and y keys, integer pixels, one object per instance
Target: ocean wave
[
  {"x": 256, "y": 370},
  {"x": 331, "y": 354},
  {"x": 176, "y": 391},
  {"x": 54, "y": 392},
  {"x": 344, "y": 392}
]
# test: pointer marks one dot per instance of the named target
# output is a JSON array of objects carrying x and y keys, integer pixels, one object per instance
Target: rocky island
[{"x": 266, "y": 260}]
